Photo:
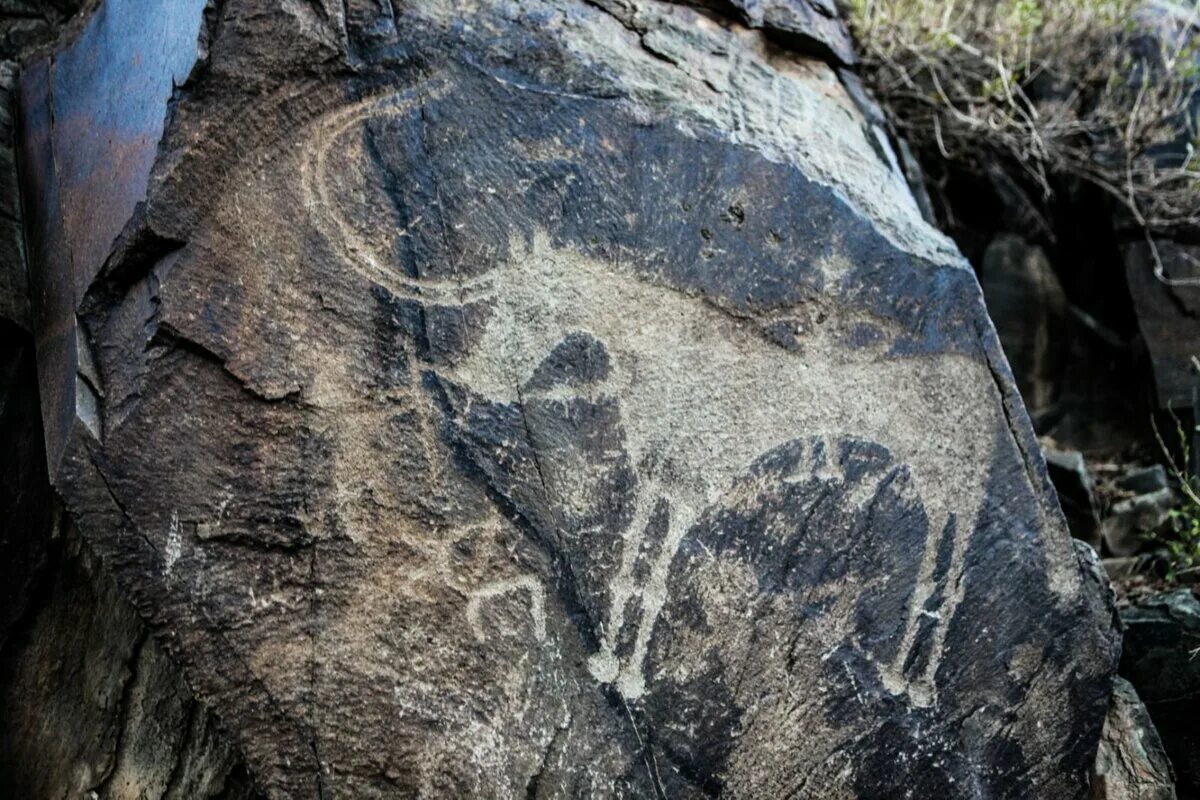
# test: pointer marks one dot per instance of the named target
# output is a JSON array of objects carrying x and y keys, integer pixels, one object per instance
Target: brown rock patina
[{"x": 558, "y": 400}]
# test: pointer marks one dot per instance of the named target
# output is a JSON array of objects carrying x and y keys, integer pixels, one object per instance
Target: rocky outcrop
[
  {"x": 1164, "y": 282},
  {"x": 91, "y": 705},
  {"x": 554, "y": 399}
]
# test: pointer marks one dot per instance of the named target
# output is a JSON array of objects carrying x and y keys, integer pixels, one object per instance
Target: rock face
[
  {"x": 1133, "y": 522},
  {"x": 93, "y": 708},
  {"x": 553, "y": 399},
  {"x": 1163, "y": 275},
  {"x": 1076, "y": 489},
  {"x": 26, "y": 499},
  {"x": 809, "y": 25},
  {"x": 1162, "y": 660},
  {"x": 1131, "y": 763},
  {"x": 1167, "y": 315}
]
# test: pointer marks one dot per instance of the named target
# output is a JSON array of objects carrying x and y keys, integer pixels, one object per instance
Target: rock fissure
[{"x": 122, "y": 718}]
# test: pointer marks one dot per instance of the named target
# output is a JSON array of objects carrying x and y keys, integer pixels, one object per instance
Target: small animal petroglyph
[{"x": 525, "y": 583}]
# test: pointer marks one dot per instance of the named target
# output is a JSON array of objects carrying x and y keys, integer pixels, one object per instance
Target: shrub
[{"x": 1100, "y": 90}]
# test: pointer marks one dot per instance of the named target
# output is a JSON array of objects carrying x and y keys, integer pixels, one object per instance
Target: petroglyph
[
  {"x": 668, "y": 368},
  {"x": 931, "y": 586},
  {"x": 672, "y": 357},
  {"x": 500, "y": 376}
]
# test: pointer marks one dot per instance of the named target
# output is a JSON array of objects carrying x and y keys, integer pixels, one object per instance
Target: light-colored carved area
[
  {"x": 682, "y": 369},
  {"x": 337, "y": 187}
]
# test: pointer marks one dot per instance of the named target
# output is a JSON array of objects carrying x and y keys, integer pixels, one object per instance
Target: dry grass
[
  {"x": 1078, "y": 88},
  {"x": 1183, "y": 545}
]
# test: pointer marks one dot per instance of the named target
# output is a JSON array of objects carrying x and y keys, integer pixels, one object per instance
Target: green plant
[
  {"x": 1183, "y": 545},
  {"x": 1058, "y": 87}
]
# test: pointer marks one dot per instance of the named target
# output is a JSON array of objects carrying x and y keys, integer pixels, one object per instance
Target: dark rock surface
[
  {"x": 1163, "y": 270},
  {"x": 28, "y": 24},
  {"x": 812, "y": 26},
  {"x": 1161, "y": 658},
  {"x": 90, "y": 704},
  {"x": 1027, "y": 304},
  {"x": 14, "y": 285},
  {"x": 1144, "y": 480},
  {"x": 26, "y": 499},
  {"x": 1168, "y": 314},
  {"x": 27, "y": 504},
  {"x": 1131, "y": 524},
  {"x": 92, "y": 707},
  {"x": 488, "y": 400}
]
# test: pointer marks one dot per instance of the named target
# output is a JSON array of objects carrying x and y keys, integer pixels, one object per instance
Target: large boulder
[{"x": 559, "y": 399}]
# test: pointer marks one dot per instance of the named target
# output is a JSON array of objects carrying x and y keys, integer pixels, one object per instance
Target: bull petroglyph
[{"x": 672, "y": 355}]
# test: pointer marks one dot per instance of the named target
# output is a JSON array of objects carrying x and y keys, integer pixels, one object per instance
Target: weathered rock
[
  {"x": 1029, "y": 308},
  {"x": 1144, "y": 480},
  {"x": 1160, "y": 658},
  {"x": 490, "y": 399},
  {"x": 1168, "y": 315},
  {"x": 28, "y": 24},
  {"x": 88, "y": 702},
  {"x": 14, "y": 286},
  {"x": 1132, "y": 523},
  {"x": 809, "y": 25},
  {"x": 93, "y": 708},
  {"x": 27, "y": 505},
  {"x": 1124, "y": 567},
  {"x": 1163, "y": 273},
  {"x": 26, "y": 500},
  {"x": 1131, "y": 763}
]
